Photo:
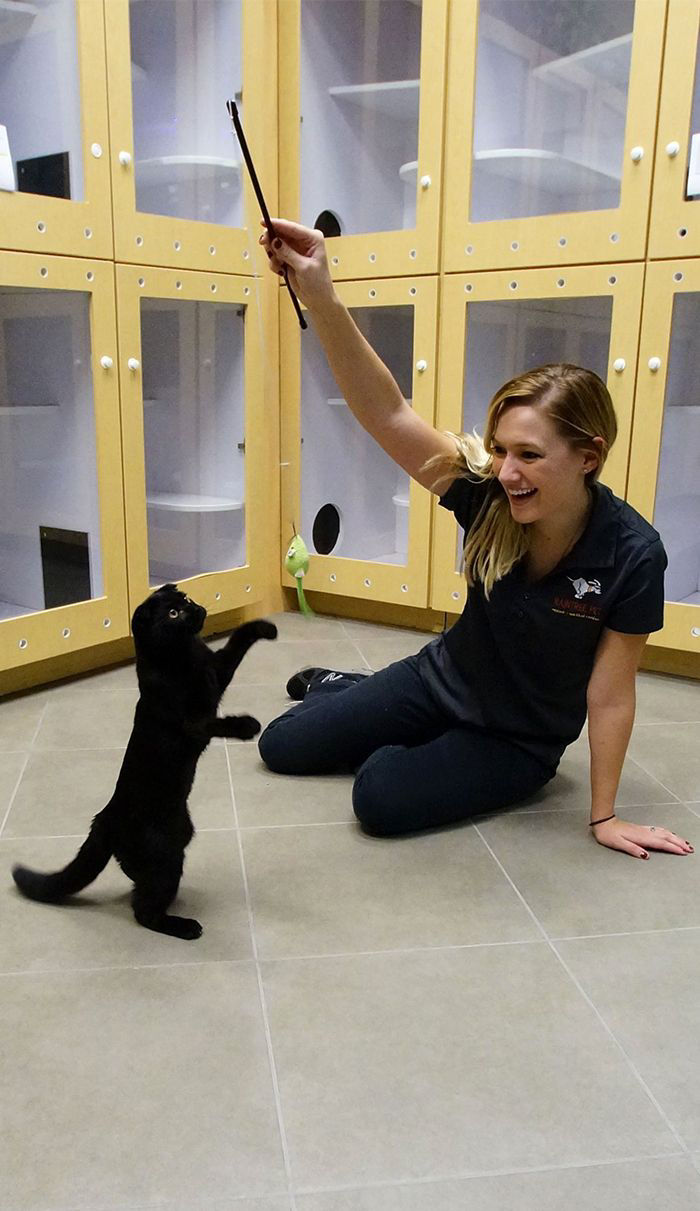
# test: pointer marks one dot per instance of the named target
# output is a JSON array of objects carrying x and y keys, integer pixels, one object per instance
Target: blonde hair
[{"x": 578, "y": 403}]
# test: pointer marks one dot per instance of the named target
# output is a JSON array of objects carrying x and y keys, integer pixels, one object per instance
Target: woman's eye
[{"x": 174, "y": 613}]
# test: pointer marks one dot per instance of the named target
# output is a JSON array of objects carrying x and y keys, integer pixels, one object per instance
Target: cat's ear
[{"x": 167, "y": 588}]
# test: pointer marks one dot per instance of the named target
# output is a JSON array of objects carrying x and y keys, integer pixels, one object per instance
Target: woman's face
[{"x": 542, "y": 475}]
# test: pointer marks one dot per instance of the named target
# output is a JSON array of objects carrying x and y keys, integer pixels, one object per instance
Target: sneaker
[{"x": 300, "y": 683}]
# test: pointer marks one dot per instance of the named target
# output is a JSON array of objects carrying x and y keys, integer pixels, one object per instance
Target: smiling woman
[{"x": 565, "y": 580}]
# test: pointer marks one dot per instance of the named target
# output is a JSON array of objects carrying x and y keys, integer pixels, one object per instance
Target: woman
[{"x": 565, "y": 585}]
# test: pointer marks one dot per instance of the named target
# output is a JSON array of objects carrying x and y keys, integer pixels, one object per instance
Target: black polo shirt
[{"x": 525, "y": 657}]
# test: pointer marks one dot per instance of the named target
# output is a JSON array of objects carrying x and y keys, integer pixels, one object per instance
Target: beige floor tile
[
  {"x": 273, "y": 1203},
  {"x": 264, "y": 799},
  {"x": 665, "y": 699},
  {"x": 11, "y": 766},
  {"x": 137, "y": 1086},
  {"x": 265, "y": 702},
  {"x": 273, "y": 663},
  {"x": 646, "y": 989},
  {"x": 332, "y": 889},
  {"x": 575, "y": 886},
  {"x": 73, "y": 721},
  {"x": 19, "y": 719},
  {"x": 61, "y": 791},
  {"x": 640, "y": 1185},
  {"x": 436, "y": 1064},
  {"x": 670, "y": 752},
  {"x": 381, "y": 646},
  {"x": 97, "y": 928}
]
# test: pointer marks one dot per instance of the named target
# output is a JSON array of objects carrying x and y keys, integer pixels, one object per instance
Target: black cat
[{"x": 146, "y": 824}]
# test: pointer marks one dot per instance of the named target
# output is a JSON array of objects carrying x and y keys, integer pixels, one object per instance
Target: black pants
[{"x": 415, "y": 766}]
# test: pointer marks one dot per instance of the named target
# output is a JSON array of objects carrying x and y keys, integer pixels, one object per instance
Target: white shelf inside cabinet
[
  {"x": 9, "y": 609},
  {"x": 15, "y": 16},
  {"x": 28, "y": 410},
  {"x": 338, "y": 402},
  {"x": 174, "y": 170},
  {"x": 541, "y": 169},
  {"x": 180, "y": 503},
  {"x": 400, "y": 501},
  {"x": 608, "y": 62},
  {"x": 397, "y": 98}
]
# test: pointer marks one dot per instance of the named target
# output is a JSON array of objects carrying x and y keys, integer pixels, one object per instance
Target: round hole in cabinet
[
  {"x": 44, "y": 271},
  {"x": 66, "y": 632},
  {"x": 614, "y": 237},
  {"x": 139, "y": 241},
  {"x": 612, "y": 280},
  {"x": 23, "y": 643},
  {"x": 373, "y": 294},
  {"x": 106, "y": 622},
  {"x": 682, "y": 231},
  {"x": 413, "y": 254},
  {"x": 333, "y": 577},
  {"x": 213, "y": 287},
  {"x": 367, "y": 582},
  {"x": 326, "y": 529},
  {"x": 178, "y": 285},
  {"x": 41, "y": 227},
  {"x": 90, "y": 277},
  {"x": 561, "y": 282},
  {"x": 563, "y": 241},
  {"x": 246, "y": 289},
  {"x": 335, "y": 260},
  {"x": 468, "y": 288},
  {"x": 678, "y": 277},
  {"x": 413, "y": 290},
  {"x": 212, "y": 250},
  {"x": 515, "y": 246},
  {"x": 469, "y": 249},
  {"x": 177, "y": 245},
  {"x": 455, "y": 596},
  {"x": 328, "y": 223},
  {"x": 513, "y": 285},
  {"x": 246, "y": 254},
  {"x": 142, "y": 281},
  {"x": 87, "y": 232},
  {"x": 404, "y": 588},
  {"x": 248, "y": 588}
]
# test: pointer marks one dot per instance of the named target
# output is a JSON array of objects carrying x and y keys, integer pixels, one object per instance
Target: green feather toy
[{"x": 297, "y": 564}]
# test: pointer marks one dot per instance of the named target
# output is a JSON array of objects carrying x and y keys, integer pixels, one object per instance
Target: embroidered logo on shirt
[{"x": 582, "y": 586}]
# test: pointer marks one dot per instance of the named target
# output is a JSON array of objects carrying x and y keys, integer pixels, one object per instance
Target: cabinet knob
[
  {"x": 426, "y": 182},
  {"x": 654, "y": 363},
  {"x": 695, "y": 632},
  {"x": 133, "y": 363},
  {"x": 673, "y": 148},
  {"x": 421, "y": 366},
  {"x": 125, "y": 158},
  {"x": 619, "y": 365},
  {"x": 106, "y": 363},
  {"x": 637, "y": 153}
]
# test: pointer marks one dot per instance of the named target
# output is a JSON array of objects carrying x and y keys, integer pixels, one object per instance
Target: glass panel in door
[
  {"x": 194, "y": 422},
  {"x": 550, "y": 106},
  {"x": 360, "y": 78},
  {"x": 40, "y": 96},
  {"x": 185, "y": 65},
  {"x": 677, "y": 507},
  {"x": 354, "y": 498},
  {"x": 50, "y": 553}
]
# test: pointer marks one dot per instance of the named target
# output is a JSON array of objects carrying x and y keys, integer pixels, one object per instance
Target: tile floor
[{"x": 501, "y": 1015}]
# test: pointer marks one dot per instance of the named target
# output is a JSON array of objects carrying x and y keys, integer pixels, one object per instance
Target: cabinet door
[
  {"x": 53, "y": 103},
  {"x": 361, "y": 114},
  {"x": 365, "y": 523},
  {"x": 664, "y": 480},
  {"x": 181, "y": 193},
  {"x": 675, "y": 224},
  {"x": 62, "y": 556},
  {"x": 495, "y": 326},
  {"x": 191, "y": 368},
  {"x": 550, "y": 131}
]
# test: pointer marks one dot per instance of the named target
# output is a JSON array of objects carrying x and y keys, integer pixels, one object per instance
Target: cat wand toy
[{"x": 233, "y": 114}]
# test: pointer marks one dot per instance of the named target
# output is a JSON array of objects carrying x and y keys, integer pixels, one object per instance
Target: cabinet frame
[
  {"x": 235, "y": 586},
  {"x": 405, "y": 584},
  {"x": 36, "y": 223},
  {"x": 680, "y": 621},
  {"x": 93, "y": 622},
  {"x": 386, "y": 253},
  {"x": 151, "y": 239},
  {"x": 587, "y": 235},
  {"x": 675, "y": 222},
  {"x": 448, "y": 587}
]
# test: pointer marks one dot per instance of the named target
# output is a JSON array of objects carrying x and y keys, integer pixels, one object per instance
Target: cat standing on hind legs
[{"x": 146, "y": 825}]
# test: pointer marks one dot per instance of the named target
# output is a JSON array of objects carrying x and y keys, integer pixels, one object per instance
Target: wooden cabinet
[
  {"x": 62, "y": 551},
  {"x": 675, "y": 222},
  {"x": 365, "y": 521},
  {"x": 190, "y": 357},
  {"x": 361, "y": 129}
]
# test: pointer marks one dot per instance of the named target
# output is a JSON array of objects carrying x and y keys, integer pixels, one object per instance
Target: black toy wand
[{"x": 233, "y": 113}]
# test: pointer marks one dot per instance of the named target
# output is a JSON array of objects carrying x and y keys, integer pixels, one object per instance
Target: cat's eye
[{"x": 174, "y": 613}]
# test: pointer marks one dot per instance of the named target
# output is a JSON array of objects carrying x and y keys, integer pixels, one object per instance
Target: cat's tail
[{"x": 91, "y": 858}]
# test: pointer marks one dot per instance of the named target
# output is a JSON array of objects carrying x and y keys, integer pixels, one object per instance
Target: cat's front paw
[
  {"x": 265, "y": 629},
  {"x": 244, "y": 726}
]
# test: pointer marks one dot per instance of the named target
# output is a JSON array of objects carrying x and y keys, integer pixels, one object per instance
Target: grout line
[
  {"x": 477, "y": 1174},
  {"x": 632, "y": 1066},
  {"x": 658, "y": 780},
  {"x": 263, "y": 1003},
  {"x": 30, "y": 749},
  {"x": 356, "y": 646},
  {"x": 79, "y": 971}
]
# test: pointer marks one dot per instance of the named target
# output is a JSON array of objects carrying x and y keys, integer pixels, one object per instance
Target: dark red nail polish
[{"x": 276, "y": 243}]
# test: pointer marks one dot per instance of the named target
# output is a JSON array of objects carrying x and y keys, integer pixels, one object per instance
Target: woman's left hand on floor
[{"x": 638, "y": 839}]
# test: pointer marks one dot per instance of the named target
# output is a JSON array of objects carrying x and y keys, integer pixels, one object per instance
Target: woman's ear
[{"x": 593, "y": 458}]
